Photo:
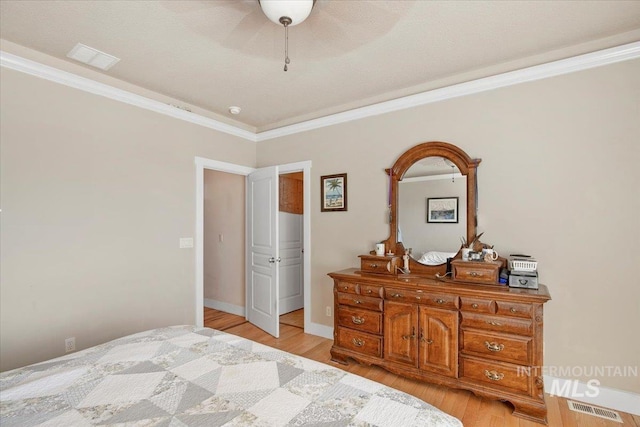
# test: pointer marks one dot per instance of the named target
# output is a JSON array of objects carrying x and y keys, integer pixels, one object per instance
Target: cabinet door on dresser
[
  {"x": 438, "y": 341},
  {"x": 400, "y": 323}
]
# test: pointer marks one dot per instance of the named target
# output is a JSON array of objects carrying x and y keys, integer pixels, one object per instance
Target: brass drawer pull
[
  {"x": 357, "y": 342},
  {"x": 473, "y": 274},
  {"x": 440, "y": 301},
  {"x": 369, "y": 291},
  {"x": 492, "y": 346},
  {"x": 346, "y": 288},
  {"x": 357, "y": 320},
  {"x": 373, "y": 265},
  {"x": 423, "y": 339},
  {"x": 513, "y": 310},
  {"x": 493, "y": 375},
  {"x": 474, "y": 305},
  {"x": 413, "y": 334},
  {"x": 396, "y": 295},
  {"x": 357, "y": 301},
  {"x": 492, "y": 323}
]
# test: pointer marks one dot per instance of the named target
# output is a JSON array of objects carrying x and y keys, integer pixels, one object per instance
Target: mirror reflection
[{"x": 432, "y": 229}]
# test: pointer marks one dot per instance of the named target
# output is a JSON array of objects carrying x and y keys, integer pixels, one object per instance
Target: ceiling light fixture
[
  {"x": 234, "y": 110},
  {"x": 287, "y": 13}
]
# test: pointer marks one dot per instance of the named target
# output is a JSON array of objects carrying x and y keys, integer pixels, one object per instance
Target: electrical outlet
[
  {"x": 328, "y": 311},
  {"x": 70, "y": 344}
]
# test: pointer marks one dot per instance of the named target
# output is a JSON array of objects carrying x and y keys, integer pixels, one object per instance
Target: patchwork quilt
[{"x": 189, "y": 376}]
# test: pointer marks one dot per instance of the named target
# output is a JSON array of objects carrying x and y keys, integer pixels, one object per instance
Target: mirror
[
  {"x": 432, "y": 215},
  {"x": 430, "y": 225}
]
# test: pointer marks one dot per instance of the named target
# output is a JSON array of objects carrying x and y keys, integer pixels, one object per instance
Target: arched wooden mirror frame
[{"x": 465, "y": 164}]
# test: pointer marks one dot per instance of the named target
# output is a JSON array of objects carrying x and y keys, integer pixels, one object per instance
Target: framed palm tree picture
[{"x": 333, "y": 192}]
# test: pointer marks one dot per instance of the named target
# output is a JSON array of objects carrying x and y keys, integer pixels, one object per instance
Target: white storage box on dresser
[{"x": 468, "y": 332}]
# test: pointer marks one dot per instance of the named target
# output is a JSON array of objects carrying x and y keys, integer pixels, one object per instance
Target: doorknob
[{"x": 272, "y": 260}]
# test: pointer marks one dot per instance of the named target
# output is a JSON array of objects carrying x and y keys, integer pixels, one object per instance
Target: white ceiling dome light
[
  {"x": 287, "y": 13},
  {"x": 296, "y": 10}
]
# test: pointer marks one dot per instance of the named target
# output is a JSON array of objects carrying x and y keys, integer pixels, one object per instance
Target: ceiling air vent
[
  {"x": 584, "y": 408},
  {"x": 90, "y": 56}
]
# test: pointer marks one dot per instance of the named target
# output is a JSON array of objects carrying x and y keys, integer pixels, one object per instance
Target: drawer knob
[
  {"x": 492, "y": 323},
  {"x": 440, "y": 301},
  {"x": 369, "y": 291},
  {"x": 396, "y": 295},
  {"x": 493, "y": 375},
  {"x": 474, "y": 305},
  {"x": 493, "y": 346},
  {"x": 473, "y": 274},
  {"x": 357, "y": 301},
  {"x": 513, "y": 310},
  {"x": 373, "y": 265},
  {"x": 357, "y": 342},
  {"x": 346, "y": 288},
  {"x": 357, "y": 320}
]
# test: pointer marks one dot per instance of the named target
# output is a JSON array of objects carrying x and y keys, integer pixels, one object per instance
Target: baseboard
[
  {"x": 323, "y": 331},
  {"x": 238, "y": 310},
  {"x": 597, "y": 395}
]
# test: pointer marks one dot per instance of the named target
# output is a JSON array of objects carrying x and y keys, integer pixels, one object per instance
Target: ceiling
[{"x": 212, "y": 54}]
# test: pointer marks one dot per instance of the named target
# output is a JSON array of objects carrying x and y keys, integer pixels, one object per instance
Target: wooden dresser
[{"x": 486, "y": 339}]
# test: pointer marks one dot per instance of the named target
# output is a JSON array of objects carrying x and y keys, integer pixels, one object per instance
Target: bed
[{"x": 192, "y": 376}]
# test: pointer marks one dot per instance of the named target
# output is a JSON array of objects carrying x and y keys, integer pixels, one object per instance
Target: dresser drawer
[
  {"x": 362, "y": 320},
  {"x": 369, "y": 303},
  {"x": 378, "y": 264},
  {"x": 347, "y": 287},
  {"x": 496, "y": 346},
  {"x": 477, "y": 305},
  {"x": 371, "y": 291},
  {"x": 514, "y": 309},
  {"x": 495, "y": 374},
  {"x": 498, "y": 324},
  {"x": 419, "y": 297},
  {"x": 476, "y": 272},
  {"x": 360, "y": 342}
]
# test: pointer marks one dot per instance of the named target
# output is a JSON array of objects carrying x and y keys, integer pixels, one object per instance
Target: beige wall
[
  {"x": 96, "y": 193},
  {"x": 559, "y": 179},
  {"x": 95, "y": 196},
  {"x": 224, "y": 206}
]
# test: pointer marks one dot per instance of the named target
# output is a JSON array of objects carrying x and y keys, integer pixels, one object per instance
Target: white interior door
[
  {"x": 262, "y": 250},
  {"x": 291, "y": 268}
]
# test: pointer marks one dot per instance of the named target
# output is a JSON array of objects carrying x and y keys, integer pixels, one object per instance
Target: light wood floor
[
  {"x": 473, "y": 411},
  {"x": 295, "y": 318}
]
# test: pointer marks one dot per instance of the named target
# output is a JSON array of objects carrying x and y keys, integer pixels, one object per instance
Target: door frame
[{"x": 204, "y": 163}]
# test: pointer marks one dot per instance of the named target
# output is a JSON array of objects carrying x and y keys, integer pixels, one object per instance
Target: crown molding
[
  {"x": 55, "y": 75},
  {"x": 556, "y": 68},
  {"x": 538, "y": 72}
]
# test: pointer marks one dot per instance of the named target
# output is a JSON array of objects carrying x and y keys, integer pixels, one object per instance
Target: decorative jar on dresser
[{"x": 482, "y": 337}]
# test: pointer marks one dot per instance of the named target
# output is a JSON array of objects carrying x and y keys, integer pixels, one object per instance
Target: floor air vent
[{"x": 594, "y": 410}]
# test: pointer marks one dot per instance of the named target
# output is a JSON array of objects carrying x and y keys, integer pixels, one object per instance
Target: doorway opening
[
  {"x": 303, "y": 168},
  {"x": 291, "y": 215}
]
